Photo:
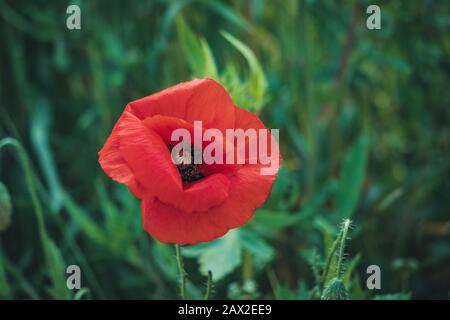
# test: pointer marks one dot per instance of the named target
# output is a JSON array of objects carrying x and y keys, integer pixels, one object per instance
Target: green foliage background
[{"x": 364, "y": 128}]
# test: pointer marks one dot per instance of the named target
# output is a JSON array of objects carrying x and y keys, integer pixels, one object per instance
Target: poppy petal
[
  {"x": 199, "y": 99},
  {"x": 111, "y": 160},
  {"x": 114, "y": 164},
  {"x": 149, "y": 158},
  {"x": 138, "y": 154},
  {"x": 248, "y": 191},
  {"x": 172, "y": 225}
]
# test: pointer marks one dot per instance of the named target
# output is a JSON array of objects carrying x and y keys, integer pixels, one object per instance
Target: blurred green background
[{"x": 364, "y": 131}]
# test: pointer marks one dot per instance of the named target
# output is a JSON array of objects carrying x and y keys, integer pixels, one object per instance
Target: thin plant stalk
[
  {"x": 208, "y": 286},
  {"x": 23, "y": 159},
  {"x": 346, "y": 225},
  {"x": 182, "y": 271},
  {"x": 339, "y": 246},
  {"x": 326, "y": 270}
]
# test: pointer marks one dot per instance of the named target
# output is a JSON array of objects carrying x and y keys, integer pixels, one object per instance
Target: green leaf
[
  {"x": 86, "y": 223},
  {"x": 5, "y": 289},
  {"x": 317, "y": 201},
  {"x": 58, "y": 288},
  {"x": 117, "y": 226},
  {"x": 40, "y": 127},
  {"x": 268, "y": 221},
  {"x": 83, "y": 292},
  {"x": 357, "y": 292},
  {"x": 256, "y": 84},
  {"x": 328, "y": 231},
  {"x": 190, "y": 45},
  {"x": 227, "y": 13},
  {"x": 352, "y": 175},
  {"x": 164, "y": 257},
  {"x": 221, "y": 256},
  {"x": 349, "y": 269},
  {"x": 272, "y": 221},
  {"x": 224, "y": 255},
  {"x": 53, "y": 257},
  {"x": 197, "y": 52},
  {"x": 260, "y": 249},
  {"x": 209, "y": 65}
]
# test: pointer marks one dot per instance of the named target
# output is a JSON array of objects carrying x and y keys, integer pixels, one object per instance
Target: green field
[{"x": 364, "y": 119}]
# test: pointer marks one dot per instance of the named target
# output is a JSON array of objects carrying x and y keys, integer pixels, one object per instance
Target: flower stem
[
  {"x": 30, "y": 182},
  {"x": 208, "y": 286},
  {"x": 182, "y": 271},
  {"x": 345, "y": 226},
  {"x": 326, "y": 270},
  {"x": 247, "y": 266},
  {"x": 339, "y": 246}
]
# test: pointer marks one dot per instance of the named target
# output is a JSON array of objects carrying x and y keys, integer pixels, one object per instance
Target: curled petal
[{"x": 199, "y": 99}]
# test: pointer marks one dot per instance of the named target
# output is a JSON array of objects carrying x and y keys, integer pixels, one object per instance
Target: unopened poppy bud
[
  {"x": 335, "y": 290},
  {"x": 5, "y": 208}
]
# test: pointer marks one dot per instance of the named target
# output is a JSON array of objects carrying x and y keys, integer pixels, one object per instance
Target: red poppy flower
[{"x": 185, "y": 203}]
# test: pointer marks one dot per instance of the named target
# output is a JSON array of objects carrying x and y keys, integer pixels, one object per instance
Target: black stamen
[{"x": 189, "y": 172}]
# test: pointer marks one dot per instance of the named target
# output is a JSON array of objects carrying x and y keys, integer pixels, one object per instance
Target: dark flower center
[{"x": 189, "y": 171}]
